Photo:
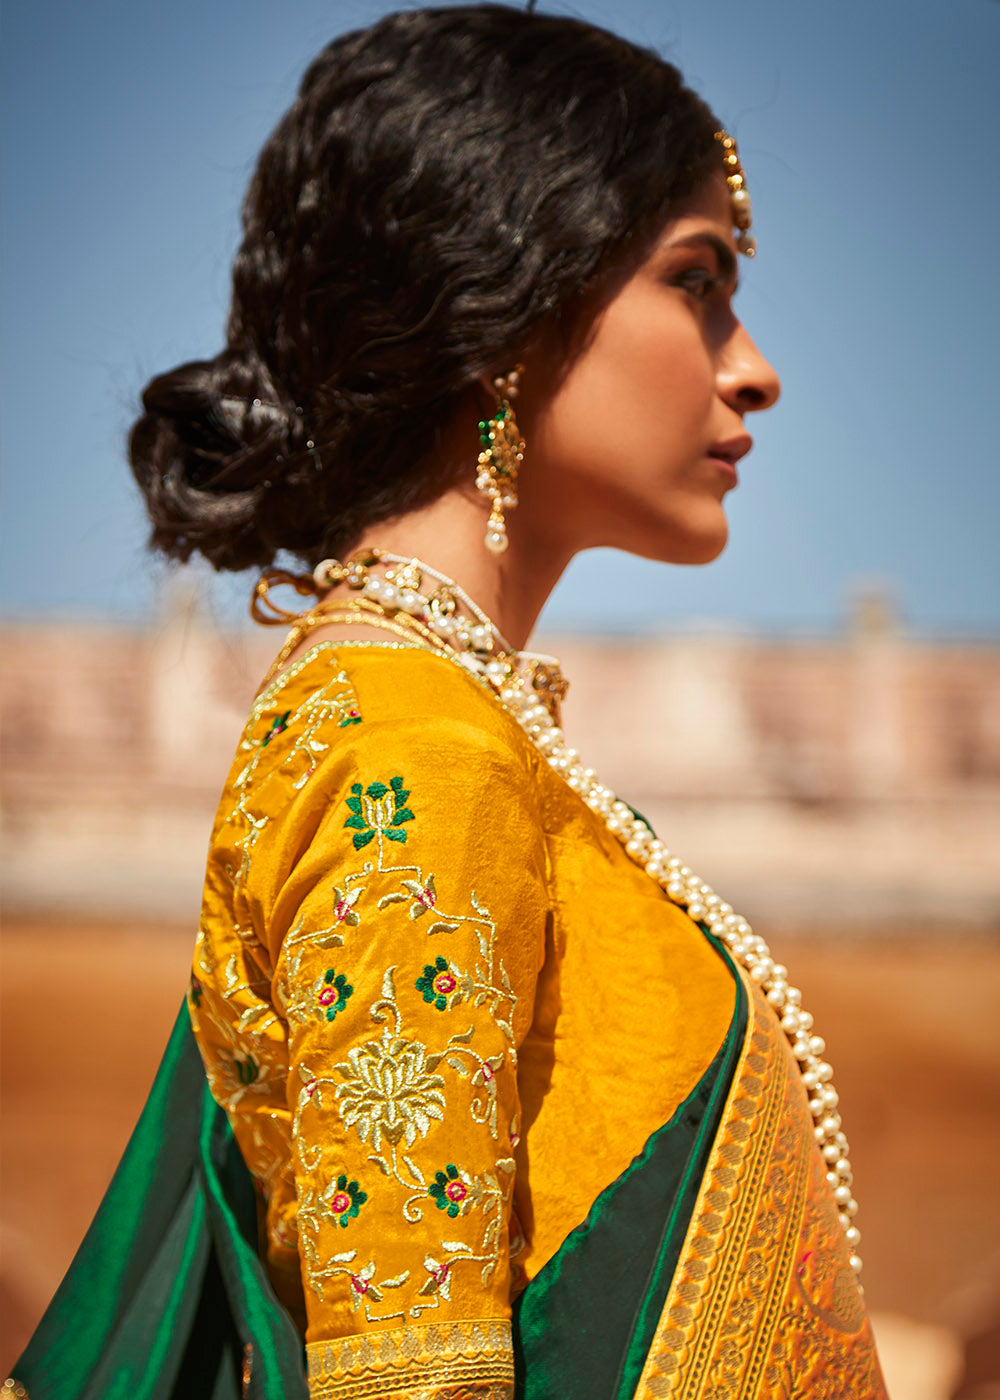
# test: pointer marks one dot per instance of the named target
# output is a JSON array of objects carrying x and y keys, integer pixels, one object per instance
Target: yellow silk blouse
[{"x": 440, "y": 1005}]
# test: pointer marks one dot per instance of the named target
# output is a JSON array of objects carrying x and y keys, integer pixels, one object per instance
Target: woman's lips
[
  {"x": 726, "y": 467},
  {"x": 732, "y": 449},
  {"x": 726, "y": 454}
]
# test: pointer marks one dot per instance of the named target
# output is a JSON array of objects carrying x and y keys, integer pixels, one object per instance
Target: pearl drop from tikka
[{"x": 487, "y": 654}]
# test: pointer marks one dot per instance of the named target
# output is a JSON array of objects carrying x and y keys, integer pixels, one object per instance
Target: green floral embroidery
[
  {"x": 437, "y": 983},
  {"x": 344, "y": 1199},
  {"x": 278, "y": 726},
  {"x": 449, "y": 1190},
  {"x": 378, "y": 808},
  {"x": 247, "y": 1071},
  {"x": 353, "y": 716},
  {"x": 196, "y": 990},
  {"x": 334, "y": 993}
]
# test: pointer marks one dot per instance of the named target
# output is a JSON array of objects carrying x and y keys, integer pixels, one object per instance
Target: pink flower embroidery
[
  {"x": 343, "y": 906},
  {"x": 424, "y": 896},
  {"x": 438, "y": 1278}
]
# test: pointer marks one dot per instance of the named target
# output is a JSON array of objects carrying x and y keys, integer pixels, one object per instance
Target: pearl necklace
[{"x": 530, "y": 687}]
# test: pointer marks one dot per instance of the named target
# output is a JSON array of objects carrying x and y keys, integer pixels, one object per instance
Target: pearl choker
[{"x": 530, "y": 687}]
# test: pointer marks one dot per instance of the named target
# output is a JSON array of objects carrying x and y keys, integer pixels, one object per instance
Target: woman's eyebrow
[{"x": 728, "y": 268}]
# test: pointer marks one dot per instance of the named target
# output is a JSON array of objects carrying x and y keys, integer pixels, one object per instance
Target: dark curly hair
[{"x": 445, "y": 181}]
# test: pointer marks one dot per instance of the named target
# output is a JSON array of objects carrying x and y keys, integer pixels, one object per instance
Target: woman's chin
[{"x": 672, "y": 546}]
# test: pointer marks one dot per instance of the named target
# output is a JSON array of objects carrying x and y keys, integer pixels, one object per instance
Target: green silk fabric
[
  {"x": 586, "y": 1321},
  {"x": 167, "y": 1288}
]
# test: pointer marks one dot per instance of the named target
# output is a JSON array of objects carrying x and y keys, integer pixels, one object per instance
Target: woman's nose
[{"x": 747, "y": 381}]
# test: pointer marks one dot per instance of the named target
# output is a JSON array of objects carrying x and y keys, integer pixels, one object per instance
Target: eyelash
[{"x": 705, "y": 282}]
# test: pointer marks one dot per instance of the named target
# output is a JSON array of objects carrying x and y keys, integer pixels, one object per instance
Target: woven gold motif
[
  {"x": 764, "y": 1303},
  {"x": 473, "y": 1359}
]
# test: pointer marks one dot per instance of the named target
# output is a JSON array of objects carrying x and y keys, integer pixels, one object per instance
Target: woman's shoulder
[
  {"x": 340, "y": 698},
  {"x": 384, "y": 683}
]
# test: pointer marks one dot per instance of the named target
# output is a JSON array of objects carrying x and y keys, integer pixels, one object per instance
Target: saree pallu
[
  {"x": 745, "y": 1292},
  {"x": 713, "y": 1268}
]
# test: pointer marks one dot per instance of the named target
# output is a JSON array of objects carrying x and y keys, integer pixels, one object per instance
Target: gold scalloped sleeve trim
[
  {"x": 763, "y": 1303},
  {"x": 467, "y": 1360}
]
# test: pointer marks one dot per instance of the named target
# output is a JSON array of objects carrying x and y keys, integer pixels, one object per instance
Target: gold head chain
[{"x": 739, "y": 195}]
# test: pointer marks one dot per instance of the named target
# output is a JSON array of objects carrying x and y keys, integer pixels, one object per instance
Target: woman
[{"x": 527, "y": 1108}]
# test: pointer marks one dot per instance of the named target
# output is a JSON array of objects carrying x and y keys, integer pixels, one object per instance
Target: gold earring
[{"x": 501, "y": 456}]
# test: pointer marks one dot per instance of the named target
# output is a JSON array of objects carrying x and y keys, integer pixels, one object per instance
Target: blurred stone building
[{"x": 853, "y": 779}]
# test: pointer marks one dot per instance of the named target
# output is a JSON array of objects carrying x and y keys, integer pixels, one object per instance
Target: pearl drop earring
[{"x": 501, "y": 455}]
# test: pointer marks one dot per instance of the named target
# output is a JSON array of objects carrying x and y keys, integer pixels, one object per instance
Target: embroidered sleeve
[{"x": 401, "y": 903}]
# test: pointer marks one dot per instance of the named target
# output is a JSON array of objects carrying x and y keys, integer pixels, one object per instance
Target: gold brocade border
[
  {"x": 471, "y": 1357},
  {"x": 763, "y": 1302}
]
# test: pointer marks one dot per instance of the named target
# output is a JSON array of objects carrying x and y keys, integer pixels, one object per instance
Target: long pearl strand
[{"x": 483, "y": 650}]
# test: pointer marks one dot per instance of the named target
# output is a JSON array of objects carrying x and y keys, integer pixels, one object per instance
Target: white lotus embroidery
[{"x": 390, "y": 1091}]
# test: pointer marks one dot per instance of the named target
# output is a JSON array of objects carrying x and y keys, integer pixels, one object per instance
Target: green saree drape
[{"x": 166, "y": 1298}]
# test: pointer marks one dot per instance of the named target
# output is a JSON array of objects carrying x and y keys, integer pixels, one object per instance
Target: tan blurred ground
[{"x": 912, "y": 1026}]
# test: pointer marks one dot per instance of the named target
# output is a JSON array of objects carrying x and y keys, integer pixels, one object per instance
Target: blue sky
[{"x": 869, "y": 131}]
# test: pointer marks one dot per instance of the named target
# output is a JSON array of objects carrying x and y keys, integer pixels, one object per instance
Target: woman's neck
[{"x": 448, "y": 534}]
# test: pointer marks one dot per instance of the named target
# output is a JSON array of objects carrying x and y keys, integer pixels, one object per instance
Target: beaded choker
[{"x": 391, "y": 592}]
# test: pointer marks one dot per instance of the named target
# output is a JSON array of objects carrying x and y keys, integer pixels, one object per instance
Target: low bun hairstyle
[{"x": 446, "y": 181}]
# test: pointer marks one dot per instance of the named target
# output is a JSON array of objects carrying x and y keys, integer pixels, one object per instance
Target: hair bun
[{"x": 206, "y": 451}]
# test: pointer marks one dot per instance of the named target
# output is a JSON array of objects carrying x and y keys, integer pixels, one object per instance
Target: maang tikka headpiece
[{"x": 739, "y": 195}]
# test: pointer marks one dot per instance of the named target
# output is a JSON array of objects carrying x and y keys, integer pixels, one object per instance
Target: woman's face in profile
[{"x": 637, "y": 446}]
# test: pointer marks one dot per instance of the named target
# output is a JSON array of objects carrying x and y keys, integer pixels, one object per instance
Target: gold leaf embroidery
[{"x": 469, "y": 1355}]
